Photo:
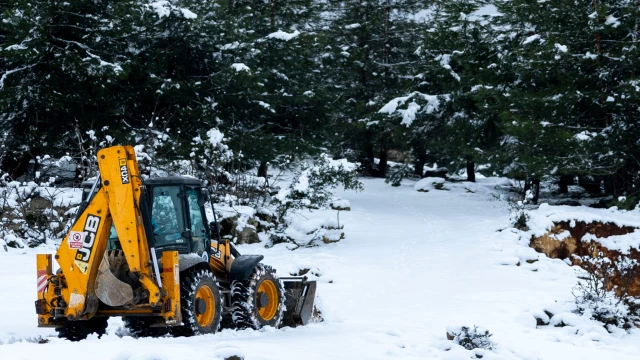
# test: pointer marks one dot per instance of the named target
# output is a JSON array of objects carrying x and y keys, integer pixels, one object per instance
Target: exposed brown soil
[{"x": 558, "y": 246}]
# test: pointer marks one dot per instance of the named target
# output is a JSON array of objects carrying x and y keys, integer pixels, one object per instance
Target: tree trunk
[
  {"x": 419, "y": 165},
  {"x": 608, "y": 184},
  {"x": 273, "y": 15},
  {"x": 624, "y": 179},
  {"x": 384, "y": 159},
  {"x": 536, "y": 190},
  {"x": 367, "y": 162},
  {"x": 419, "y": 151},
  {"x": 263, "y": 169},
  {"x": 618, "y": 187},
  {"x": 527, "y": 187},
  {"x": 363, "y": 45},
  {"x": 471, "y": 171},
  {"x": 387, "y": 45},
  {"x": 36, "y": 168},
  {"x": 565, "y": 180},
  {"x": 21, "y": 168}
]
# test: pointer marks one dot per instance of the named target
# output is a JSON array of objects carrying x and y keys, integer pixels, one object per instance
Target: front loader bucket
[{"x": 300, "y": 298}]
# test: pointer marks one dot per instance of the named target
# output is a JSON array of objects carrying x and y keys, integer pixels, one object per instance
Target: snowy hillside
[{"x": 412, "y": 265}]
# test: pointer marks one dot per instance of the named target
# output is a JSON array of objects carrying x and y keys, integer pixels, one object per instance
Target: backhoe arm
[
  {"x": 71, "y": 293},
  {"x": 123, "y": 185}
]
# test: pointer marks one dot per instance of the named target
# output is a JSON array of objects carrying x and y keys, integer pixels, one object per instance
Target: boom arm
[{"x": 121, "y": 179}]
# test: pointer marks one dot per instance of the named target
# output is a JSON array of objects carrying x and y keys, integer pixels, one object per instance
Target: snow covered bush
[
  {"x": 31, "y": 214},
  {"x": 518, "y": 215},
  {"x": 88, "y": 144},
  {"x": 229, "y": 176},
  {"x": 429, "y": 183},
  {"x": 309, "y": 232},
  {"x": 630, "y": 202},
  {"x": 313, "y": 184},
  {"x": 253, "y": 208},
  {"x": 396, "y": 174},
  {"x": 311, "y": 187},
  {"x": 156, "y": 152},
  {"x": 598, "y": 299},
  {"x": 471, "y": 338},
  {"x": 210, "y": 149}
]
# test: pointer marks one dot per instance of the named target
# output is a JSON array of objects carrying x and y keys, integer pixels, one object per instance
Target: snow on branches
[{"x": 427, "y": 104}]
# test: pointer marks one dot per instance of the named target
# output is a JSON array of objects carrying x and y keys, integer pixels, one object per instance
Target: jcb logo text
[{"x": 90, "y": 229}]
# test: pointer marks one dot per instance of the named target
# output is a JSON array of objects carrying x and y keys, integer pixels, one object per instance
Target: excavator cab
[{"x": 178, "y": 218}]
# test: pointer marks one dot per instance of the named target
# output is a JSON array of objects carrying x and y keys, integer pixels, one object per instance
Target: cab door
[
  {"x": 169, "y": 219},
  {"x": 200, "y": 240}
]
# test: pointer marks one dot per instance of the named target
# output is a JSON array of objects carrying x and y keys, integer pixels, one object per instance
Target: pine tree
[
  {"x": 271, "y": 99},
  {"x": 372, "y": 54},
  {"x": 568, "y": 108},
  {"x": 447, "y": 111},
  {"x": 167, "y": 89},
  {"x": 60, "y": 62},
  {"x": 461, "y": 43}
]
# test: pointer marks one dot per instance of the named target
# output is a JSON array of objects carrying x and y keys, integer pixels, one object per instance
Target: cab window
[
  {"x": 198, "y": 230},
  {"x": 114, "y": 242},
  {"x": 167, "y": 216}
]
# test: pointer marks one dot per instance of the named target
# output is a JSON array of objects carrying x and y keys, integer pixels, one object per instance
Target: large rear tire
[
  {"x": 200, "y": 303},
  {"x": 259, "y": 301},
  {"x": 80, "y": 329}
]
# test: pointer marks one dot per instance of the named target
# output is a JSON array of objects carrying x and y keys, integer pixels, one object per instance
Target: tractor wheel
[
  {"x": 259, "y": 301},
  {"x": 200, "y": 303},
  {"x": 141, "y": 327},
  {"x": 80, "y": 329}
]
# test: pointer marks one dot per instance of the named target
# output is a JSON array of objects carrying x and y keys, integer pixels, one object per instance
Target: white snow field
[{"x": 411, "y": 265}]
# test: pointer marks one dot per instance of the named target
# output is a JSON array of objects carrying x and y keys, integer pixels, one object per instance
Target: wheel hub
[
  {"x": 204, "y": 306},
  {"x": 263, "y": 300},
  {"x": 267, "y": 300},
  {"x": 201, "y": 306}
]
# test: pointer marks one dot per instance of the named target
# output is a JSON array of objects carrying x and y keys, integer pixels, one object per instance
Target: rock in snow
[
  {"x": 341, "y": 204},
  {"x": 429, "y": 183}
]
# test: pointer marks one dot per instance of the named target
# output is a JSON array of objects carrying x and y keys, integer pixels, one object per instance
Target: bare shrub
[
  {"x": 597, "y": 298},
  {"x": 471, "y": 338}
]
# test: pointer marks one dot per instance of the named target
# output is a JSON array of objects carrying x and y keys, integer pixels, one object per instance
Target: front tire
[
  {"x": 80, "y": 329},
  {"x": 200, "y": 303},
  {"x": 259, "y": 301}
]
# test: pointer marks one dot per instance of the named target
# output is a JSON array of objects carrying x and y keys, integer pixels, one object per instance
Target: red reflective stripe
[{"x": 42, "y": 283}]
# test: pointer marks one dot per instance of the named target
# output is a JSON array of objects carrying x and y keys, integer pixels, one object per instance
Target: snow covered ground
[{"x": 412, "y": 264}]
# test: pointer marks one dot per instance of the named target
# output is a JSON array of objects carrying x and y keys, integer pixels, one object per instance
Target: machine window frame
[
  {"x": 181, "y": 195},
  {"x": 203, "y": 213}
]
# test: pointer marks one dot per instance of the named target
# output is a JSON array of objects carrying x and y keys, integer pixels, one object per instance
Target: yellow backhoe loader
[{"x": 144, "y": 250}]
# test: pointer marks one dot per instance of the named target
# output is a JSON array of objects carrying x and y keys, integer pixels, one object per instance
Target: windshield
[{"x": 167, "y": 216}]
